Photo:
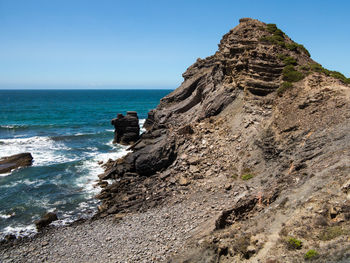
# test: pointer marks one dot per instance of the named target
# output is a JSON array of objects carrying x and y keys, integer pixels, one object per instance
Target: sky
[{"x": 148, "y": 44}]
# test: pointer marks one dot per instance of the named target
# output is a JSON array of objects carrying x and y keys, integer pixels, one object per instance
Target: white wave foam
[
  {"x": 44, "y": 150},
  {"x": 63, "y": 222},
  {"x": 20, "y": 231},
  {"x": 83, "y": 134},
  {"x": 141, "y": 123},
  {"x": 3, "y": 216},
  {"x": 109, "y": 130},
  {"x": 5, "y": 174},
  {"x": 111, "y": 144},
  {"x": 37, "y": 183},
  {"x": 92, "y": 169},
  {"x": 14, "y": 126},
  {"x": 92, "y": 148}
]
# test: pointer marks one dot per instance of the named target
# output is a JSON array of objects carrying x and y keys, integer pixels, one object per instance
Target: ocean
[{"x": 67, "y": 132}]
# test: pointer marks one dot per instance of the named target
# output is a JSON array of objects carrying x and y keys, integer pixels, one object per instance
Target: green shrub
[
  {"x": 290, "y": 74},
  {"x": 339, "y": 76},
  {"x": 292, "y": 46},
  {"x": 335, "y": 74},
  {"x": 281, "y": 56},
  {"x": 277, "y": 36},
  {"x": 318, "y": 68},
  {"x": 290, "y": 61},
  {"x": 284, "y": 86},
  {"x": 333, "y": 232},
  {"x": 246, "y": 177},
  {"x": 294, "y": 243},
  {"x": 311, "y": 254},
  {"x": 304, "y": 50},
  {"x": 305, "y": 67},
  {"x": 274, "y": 39},
  {"x": 297, "y": 48},
  {"x": 271, "y": 28}
]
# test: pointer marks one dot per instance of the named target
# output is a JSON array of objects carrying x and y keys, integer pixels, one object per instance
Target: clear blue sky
[{"x": 100, "y": 43}]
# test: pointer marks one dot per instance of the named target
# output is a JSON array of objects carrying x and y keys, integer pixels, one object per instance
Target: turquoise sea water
[{"x": 67, "y": 132}]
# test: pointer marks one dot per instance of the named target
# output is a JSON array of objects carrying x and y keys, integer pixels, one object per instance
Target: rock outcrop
[
  {"x": 45, "y": 220},
  {"x": 7, "y": 164},
  {"x": 127, "y": 129},
  {"x": 259, "y": 120}
]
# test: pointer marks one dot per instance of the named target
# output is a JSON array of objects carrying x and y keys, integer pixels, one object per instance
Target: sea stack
[{"x": 127, "y": 129}]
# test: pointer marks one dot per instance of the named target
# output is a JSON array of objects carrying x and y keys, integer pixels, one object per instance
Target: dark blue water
[{"x": 67, "y": 132}]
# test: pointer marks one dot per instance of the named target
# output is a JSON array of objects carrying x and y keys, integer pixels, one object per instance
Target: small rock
[
  {"x": 333, "y": 212},
  {"x": 119, "y": 216},
  {"x": 184, "y": 181},
  {"x": 193, "y": 160},
  {"x": 102, "y": 184},
  {"x": 346, "y": 186},
  {"x": 183, "y": 156},
  {"x": 44, "y": 244},
  {"x": 251, "y": 249},
  {"x": 187, "y": 129},
  {"x": 194, "y": 169},
  {"x": 172, "y": 180}
]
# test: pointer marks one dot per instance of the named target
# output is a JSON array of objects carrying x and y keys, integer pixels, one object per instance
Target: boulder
[
  {"x": 45, "y": 220},
  {"x": 127, "y": 129},
  {"x": 7, "y": 164},
  {"x": 155, "y": 156}
]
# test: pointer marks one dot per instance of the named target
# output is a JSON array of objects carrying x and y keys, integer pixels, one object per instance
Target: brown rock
[
  {"x": 184, "y": 181},
  {"x": 45, "y": 220},
  {"x": 186, "y": 130},
  {"x": 7, "y": 164}
]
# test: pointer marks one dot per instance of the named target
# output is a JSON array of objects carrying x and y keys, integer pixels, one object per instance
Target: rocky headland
[{"x": 247, "y": 161}]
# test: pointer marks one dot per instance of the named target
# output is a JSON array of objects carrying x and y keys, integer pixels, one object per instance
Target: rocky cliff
[{"x": 264, "y": 130}]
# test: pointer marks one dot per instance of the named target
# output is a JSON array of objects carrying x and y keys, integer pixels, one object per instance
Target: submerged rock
[
  {"x": 7, "y": 164},
  {"x": 127, "y": 129}
]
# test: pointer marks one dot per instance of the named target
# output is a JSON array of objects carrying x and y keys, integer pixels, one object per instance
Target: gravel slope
[{"x": 144, "y": 237}]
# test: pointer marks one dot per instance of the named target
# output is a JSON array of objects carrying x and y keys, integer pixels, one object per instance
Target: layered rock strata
[{"x": 261, "y": 122}]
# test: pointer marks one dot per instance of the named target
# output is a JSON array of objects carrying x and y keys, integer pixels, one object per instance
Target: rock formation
[
  {"x": 262, "y": 125},
  {"x": 45, "y": 220},
  {"x": 127, "y": 129},
  {"x": 7, "y": 164}
]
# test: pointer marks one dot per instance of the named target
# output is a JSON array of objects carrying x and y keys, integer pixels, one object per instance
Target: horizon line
[{"x": 46, "y": 89}]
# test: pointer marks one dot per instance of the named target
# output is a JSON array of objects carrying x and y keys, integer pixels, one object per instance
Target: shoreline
[
  {"x": 88, "y": 182},
  {"x": 150, "y": 236}
]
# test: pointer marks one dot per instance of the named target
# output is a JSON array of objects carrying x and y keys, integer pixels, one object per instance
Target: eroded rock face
[
  {"x": 216, "y": 123},
  {"x": 242, "y": 64},
  {"x": 127, "y": 129},
  {"x": 7, "y": 164}
]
